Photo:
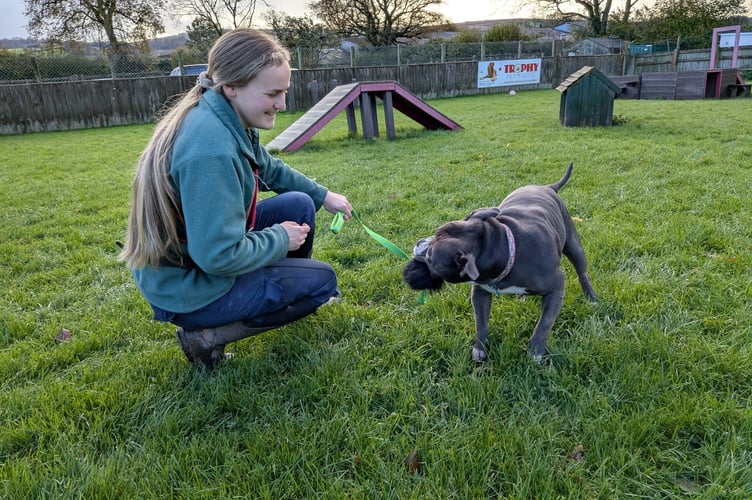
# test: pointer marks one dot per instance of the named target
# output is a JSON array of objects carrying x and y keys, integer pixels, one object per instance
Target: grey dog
[{"x": 513, "y": 249}]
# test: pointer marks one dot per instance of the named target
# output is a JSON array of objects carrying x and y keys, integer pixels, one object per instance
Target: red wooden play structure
[
  {"x": 713, "y": 83},
  {"x": 344, "y": 98}
]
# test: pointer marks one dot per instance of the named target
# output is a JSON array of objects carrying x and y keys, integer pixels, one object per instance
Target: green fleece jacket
[{"x": 212, "y": 171}]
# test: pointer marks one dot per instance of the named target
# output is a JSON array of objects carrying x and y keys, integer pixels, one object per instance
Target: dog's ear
[
  {"x": 417, "y": 275},
  {"x": 468, "y": 269}
]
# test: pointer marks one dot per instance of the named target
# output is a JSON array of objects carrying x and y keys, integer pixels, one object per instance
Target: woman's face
[{"x": 257, "y": 102}]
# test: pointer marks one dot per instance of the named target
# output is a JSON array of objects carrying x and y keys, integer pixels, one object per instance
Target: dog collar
[
  {"x": 492, "y": 287},
  {"x": 512, "y": 255}
]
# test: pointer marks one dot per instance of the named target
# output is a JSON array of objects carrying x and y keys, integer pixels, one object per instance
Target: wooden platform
[
  {"x": 629, "y": 85},
  {"x": 344, "y": 97},
  {"x": 684, "y": 85},
  {"x": 738, "y": 89}
]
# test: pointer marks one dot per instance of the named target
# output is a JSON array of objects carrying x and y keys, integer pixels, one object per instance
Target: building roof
[{"x": 583, "y": 72}]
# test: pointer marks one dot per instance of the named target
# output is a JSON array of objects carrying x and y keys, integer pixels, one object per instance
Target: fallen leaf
[
  {"x": 356, "y": 459},
  {"x": 63, "y": 336},
  {"x": 575, "y": 218},
  {"x": 412, "y": 462},
  {"x": 578, "y": 453}
]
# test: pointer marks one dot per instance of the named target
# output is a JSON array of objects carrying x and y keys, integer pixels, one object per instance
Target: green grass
[{"x": 654, "y": 382}]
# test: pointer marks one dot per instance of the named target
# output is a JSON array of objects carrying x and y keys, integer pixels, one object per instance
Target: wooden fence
[
  {"x": 103, "y": 103},
  {"x": 686, "y": 60}
]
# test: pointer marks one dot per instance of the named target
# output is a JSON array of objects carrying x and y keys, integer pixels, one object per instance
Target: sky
[{"x": 12, "y": 21}]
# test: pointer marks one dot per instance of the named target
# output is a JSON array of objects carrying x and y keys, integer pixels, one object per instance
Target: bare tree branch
[
  {"x": 220, "y": 14},
  {"x": 122, "y": 21},
  {"x": 381, "y": 22}
]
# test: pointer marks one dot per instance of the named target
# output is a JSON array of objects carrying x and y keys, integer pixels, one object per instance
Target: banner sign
[{"x": 505, "y": 73}]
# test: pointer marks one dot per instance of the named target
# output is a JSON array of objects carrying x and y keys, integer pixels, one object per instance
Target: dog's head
[
  {"x": 449, "y": 256},
  {"x": 418, "y": 275}
]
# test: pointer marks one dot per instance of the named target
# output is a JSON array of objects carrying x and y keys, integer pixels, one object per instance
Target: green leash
[{"x": 339, "y": 221}]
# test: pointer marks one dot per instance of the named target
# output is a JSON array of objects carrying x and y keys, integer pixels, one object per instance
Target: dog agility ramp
[{"x": 343, "y": 97}]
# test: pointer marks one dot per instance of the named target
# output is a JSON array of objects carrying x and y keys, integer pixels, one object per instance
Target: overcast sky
[{"x": 12, "y": 21}]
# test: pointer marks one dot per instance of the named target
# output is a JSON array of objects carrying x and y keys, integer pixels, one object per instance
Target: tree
[
  {"x": 300, "y": 31},
  {"x": 468, "y": 36},
  {"x": 303, "y": 33},
  {"x": 123, "y": 22},
  {"x": 380, "y": 22},
  {"x": 595, "y": 12},
  {"x": 625, "y": 13},
  {"x": 201, "y": 35},
  {"x": 689, "y": 19},
  {"x": 506, "y": 32},
  {"x": 218, "y": 15}
]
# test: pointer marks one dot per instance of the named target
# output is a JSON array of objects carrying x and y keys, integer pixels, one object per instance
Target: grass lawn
[{"x": 647, "y": 393}]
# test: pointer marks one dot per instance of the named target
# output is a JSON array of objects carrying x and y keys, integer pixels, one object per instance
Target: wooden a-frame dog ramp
[{"x": 343, "y": 97}]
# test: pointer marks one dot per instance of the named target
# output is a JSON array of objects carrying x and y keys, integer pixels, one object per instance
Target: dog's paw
[
  {"x": 479, "y": 355},
  {"x": 542, "y": 358}
]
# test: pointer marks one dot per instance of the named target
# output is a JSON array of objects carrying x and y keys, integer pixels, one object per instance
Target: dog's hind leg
[
  {"x": 574, "y": 252},
  {"x": 481, "y": 300},
  {"x": 550, "y": 307}
]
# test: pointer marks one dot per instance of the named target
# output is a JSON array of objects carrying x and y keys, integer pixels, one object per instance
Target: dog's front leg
[
  {"x": 550, "y": 307},
  {"x": 481, "y": 300}
]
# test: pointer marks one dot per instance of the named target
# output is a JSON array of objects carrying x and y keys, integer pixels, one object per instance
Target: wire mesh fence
[
  {"x": 19, "y": 67},
  {"x": 30, "y": 67},
  {"x": 425, "y": 53}
]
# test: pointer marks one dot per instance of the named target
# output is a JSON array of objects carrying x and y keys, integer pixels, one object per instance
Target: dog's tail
[{"x": 563, "y": 180}]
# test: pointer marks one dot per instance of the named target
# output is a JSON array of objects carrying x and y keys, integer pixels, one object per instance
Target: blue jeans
[{"x": 276, "y": 294}]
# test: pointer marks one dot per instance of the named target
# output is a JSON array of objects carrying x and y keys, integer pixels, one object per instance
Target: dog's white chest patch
[{"x": 510, "y": 290}]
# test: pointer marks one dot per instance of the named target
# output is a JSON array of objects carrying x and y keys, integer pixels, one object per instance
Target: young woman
[{"x": 207, "y": 255}]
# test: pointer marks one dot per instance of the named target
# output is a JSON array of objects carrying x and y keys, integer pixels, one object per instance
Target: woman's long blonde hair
[{"x": 236, "y": 57}]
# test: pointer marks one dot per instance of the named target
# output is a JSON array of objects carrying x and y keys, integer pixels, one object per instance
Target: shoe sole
[{"x": 180, "y": 333}]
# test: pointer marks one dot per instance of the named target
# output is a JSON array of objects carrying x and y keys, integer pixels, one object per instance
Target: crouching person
[{"x": 207, "y": 254}]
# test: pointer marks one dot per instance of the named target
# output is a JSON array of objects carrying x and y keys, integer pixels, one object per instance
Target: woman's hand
[
  {"x": 296, "y": 233},
  {"x": 335, "y": 202}
]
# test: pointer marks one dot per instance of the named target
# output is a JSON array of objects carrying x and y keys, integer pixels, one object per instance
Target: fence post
[
  {"x": 300, "y": 58},
  {"x": 482, "y": 51},
  {"x": 313, "y": 87},
  {"x": 291, "y": 95},
  {"x": 519, "y": 49},
  {"x": 182, "y": 70},
  {"x": 356, "y": 102},
  {"x": 398, "y": 55},
  {"x": 443, "y": 52},
  {"x": 37, "y": 73},
  {"x": 352, "y": 57}
]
